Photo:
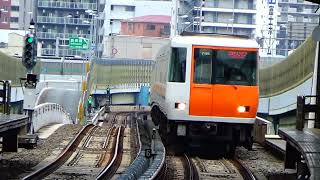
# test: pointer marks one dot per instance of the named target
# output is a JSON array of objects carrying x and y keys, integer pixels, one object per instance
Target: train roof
[{"x": 215, "y": 40}]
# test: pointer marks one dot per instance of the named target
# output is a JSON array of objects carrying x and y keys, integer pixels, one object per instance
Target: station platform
[
  {"x": 276, "y": 143},
  {"x": 302, "y": 151},
  {"x": 10, "y": 126},
  {"x": 12, "y": 121}
]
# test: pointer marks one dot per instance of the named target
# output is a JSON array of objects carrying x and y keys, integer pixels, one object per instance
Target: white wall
[
  {"x": 286, "y": 101},
  {"x": 14, "y": 38},
  {"x": 136, "y": 47},
  {"x": 153, "y": 8}
]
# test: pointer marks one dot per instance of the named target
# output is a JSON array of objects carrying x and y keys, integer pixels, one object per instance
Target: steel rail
[
  {"x": 244, "y": 171},
  {"x": 162, "y": 170},
  {"x": 192, "y": 172},
  {"x": 113, "y": 165},
  {"x": 62, "y": 158}
]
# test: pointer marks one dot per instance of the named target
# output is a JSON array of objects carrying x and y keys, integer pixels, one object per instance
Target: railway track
[
  {"x": 197, "y": 168},
  {"x": 93, "y": 156},
  {"x": 115, "y": 161},
  {"x": 96, "y": 152},
  {"x": 244, "y": 171},
  {"x": 62, "y": 158},
  {"x": 184, "y": 167}
]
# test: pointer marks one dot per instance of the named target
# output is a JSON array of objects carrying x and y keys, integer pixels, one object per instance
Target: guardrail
[
  {"x": 95, "y": 119},
  {"x": 303, "y": 108},
  {"x": 48, "y": 113},
  {"x": 68, "y": 5},
  {"x": 63, "y": 20},
  {"x": 50, "y": 35}
]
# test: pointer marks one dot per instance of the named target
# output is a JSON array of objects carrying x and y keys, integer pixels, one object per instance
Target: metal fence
[
  {"x": 123, "y": 72},
  {"x": 290, "y": 73}
]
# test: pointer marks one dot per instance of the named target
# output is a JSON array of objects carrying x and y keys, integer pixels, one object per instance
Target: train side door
[{"x": 200, "y": 86}]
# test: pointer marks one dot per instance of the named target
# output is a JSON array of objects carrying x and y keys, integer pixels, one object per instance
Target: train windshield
[{"x": 235, "y": 67}]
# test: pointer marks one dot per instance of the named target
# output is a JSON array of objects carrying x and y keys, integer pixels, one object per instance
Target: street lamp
[
  {"x": 64, "y": 32},
  {"x": 64, "y": 42},
  {"x": 91, "y": 22}
]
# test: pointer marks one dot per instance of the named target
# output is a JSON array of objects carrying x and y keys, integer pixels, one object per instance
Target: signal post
[{"x": 30, "y": 82}]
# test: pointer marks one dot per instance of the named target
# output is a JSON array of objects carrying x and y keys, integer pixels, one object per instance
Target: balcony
[
  {"x": 67, "y": 5},
  {"x": 62, "y": 52},
  {"x": 247, "y": 6},
  {"x": 50, "y": 35},
  {"x": 225, "y": 10},
  {"x": 63, "y": 20},
  {"x": 228, "y": 25}
]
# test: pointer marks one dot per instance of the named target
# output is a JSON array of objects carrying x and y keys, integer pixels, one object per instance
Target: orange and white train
[{"x": 205, "y": 85}]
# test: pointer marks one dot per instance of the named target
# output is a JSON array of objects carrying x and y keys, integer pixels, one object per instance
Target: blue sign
[{"x": 272, "y": 1}]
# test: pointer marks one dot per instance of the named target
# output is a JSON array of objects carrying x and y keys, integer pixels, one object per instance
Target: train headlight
[
  {"x": 180, "y": 106},
  {"x": 241, "y": 109}
]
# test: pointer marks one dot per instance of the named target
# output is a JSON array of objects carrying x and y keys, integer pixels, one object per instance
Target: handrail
[
  {"x": 95, "y": 118},
  {"x": 49, "y": 113}
]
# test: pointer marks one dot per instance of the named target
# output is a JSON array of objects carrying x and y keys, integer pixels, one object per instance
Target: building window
[
  {"x": 130, "y": 8},
  {"x": 14, "y": 8},
  {"x": 14, "y": 19},
  {"x": 216, "y": 3},
  {"x": 151, "y": 27},
  {"x": 5, "y": 9},
  {"x": 5, "y": 20},
  {"x": 130, "y": 27},
  {"x": 167, "y": 28},
  {"x": 112, "y": 7}
]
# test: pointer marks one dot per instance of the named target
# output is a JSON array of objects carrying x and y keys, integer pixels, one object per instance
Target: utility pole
[{"x": 35, "y": 14}]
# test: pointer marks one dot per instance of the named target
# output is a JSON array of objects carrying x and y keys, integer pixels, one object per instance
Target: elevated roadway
[{"x": 281, "y": 83}]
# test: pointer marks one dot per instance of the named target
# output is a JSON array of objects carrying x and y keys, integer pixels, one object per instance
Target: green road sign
[{"x": 78, "y": 43}]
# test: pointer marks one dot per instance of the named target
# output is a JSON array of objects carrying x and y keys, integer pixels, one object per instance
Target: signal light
[
  {"x": 29, "y": 52},
  {"x": 29, "y": 39}
]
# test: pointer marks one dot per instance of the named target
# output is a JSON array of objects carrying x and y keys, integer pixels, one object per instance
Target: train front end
[{"x": 222, "y": 98}]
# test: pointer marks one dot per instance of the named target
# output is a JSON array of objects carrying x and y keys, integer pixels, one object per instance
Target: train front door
[{"x": 201, "y": 87}]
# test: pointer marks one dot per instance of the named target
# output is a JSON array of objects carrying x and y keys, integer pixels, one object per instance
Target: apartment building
[
  {"x": 9, "y": 14},
  {"x": 296, "y": 21},
  {"x": 241, "y": 17},
  {"x": 58, "y": 20}
]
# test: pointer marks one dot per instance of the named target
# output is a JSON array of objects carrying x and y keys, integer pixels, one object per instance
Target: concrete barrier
[{"x": 261, "y": 128}]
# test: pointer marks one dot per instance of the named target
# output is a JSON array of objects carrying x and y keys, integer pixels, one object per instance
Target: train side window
[{"x": 178, "y": 65}]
